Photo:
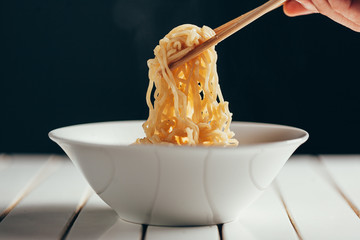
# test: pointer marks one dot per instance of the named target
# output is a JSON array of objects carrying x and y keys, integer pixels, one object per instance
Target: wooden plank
[
  {"x": 19, "y": 174},
  {"x": 317, "y": 209},
  {"x": 98, "y": 221},
  {"x": 46, "y": 211},
  {"x": 264, "y": 219},
  {"x": 344, "y": 172},
  {"x": 181, "y": 233}
]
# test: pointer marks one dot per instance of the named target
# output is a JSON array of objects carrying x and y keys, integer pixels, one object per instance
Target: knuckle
[{"x": 340, "y": 6}]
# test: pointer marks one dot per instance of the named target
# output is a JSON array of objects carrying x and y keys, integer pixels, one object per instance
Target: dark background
[{"x": 70, "y": 62}]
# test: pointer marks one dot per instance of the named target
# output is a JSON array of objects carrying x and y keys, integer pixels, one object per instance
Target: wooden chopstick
[
  {"x": 228, "y": 29},
  {"x": 225, "y": 26}
]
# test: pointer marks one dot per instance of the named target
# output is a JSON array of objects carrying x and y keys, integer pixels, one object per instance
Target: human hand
[{"x": 345, "y": 12}]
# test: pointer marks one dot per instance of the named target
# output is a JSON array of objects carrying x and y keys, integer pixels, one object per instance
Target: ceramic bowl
[{"x": 177, "y": 185}]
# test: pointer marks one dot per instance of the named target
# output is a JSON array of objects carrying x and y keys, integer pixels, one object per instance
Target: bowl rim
[{"x": 295, "y": 141}]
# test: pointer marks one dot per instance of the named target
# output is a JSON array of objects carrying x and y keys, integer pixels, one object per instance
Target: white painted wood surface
[
  {"x": 315, "y": 205},
  {"x": 265, "y": 218},
  {"x": 45, "y": 211},
  {"x": 344, "y": 172},
  {"x": 45, "y": 197},
  {"x": 16, "y": 175}
]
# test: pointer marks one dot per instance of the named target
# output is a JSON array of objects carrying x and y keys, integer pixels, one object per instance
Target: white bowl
[{"x": 177, "y": 185}]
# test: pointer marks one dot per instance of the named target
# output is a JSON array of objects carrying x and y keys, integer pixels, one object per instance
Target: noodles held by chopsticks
[{"x": 188, "y": 108}]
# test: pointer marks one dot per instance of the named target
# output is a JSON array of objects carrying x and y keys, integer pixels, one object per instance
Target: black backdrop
[{"x": 67, "y": 62}]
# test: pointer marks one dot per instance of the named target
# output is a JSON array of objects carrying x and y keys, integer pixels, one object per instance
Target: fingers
[
  {"x": 341, "y": 12},
  {"x": 345, "y": 12}
]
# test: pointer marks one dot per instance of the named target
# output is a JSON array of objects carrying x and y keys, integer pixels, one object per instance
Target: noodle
[{"x": 189, "y": 108}]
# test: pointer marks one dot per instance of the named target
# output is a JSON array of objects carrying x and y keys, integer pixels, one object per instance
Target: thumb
[{"x": 293, "y": 8}]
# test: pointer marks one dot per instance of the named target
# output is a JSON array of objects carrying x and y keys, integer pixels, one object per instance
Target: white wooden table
[{"x": 45, "y": 197}]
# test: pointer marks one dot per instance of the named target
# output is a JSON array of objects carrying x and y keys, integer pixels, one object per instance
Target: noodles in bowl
[{"x": 188, "y": 108}]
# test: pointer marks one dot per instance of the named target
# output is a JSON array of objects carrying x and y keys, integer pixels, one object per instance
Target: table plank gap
[
  {"x": 44, "y": 172},
  {"x": 342, "y": 179},
  {"x": 319, "y": 211},
  {"x": 69, "y": 224},
  {"x": 220, "y": 230},
  {"x": 291, "y": 219},
  {"x": 144, "y": 230}
]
